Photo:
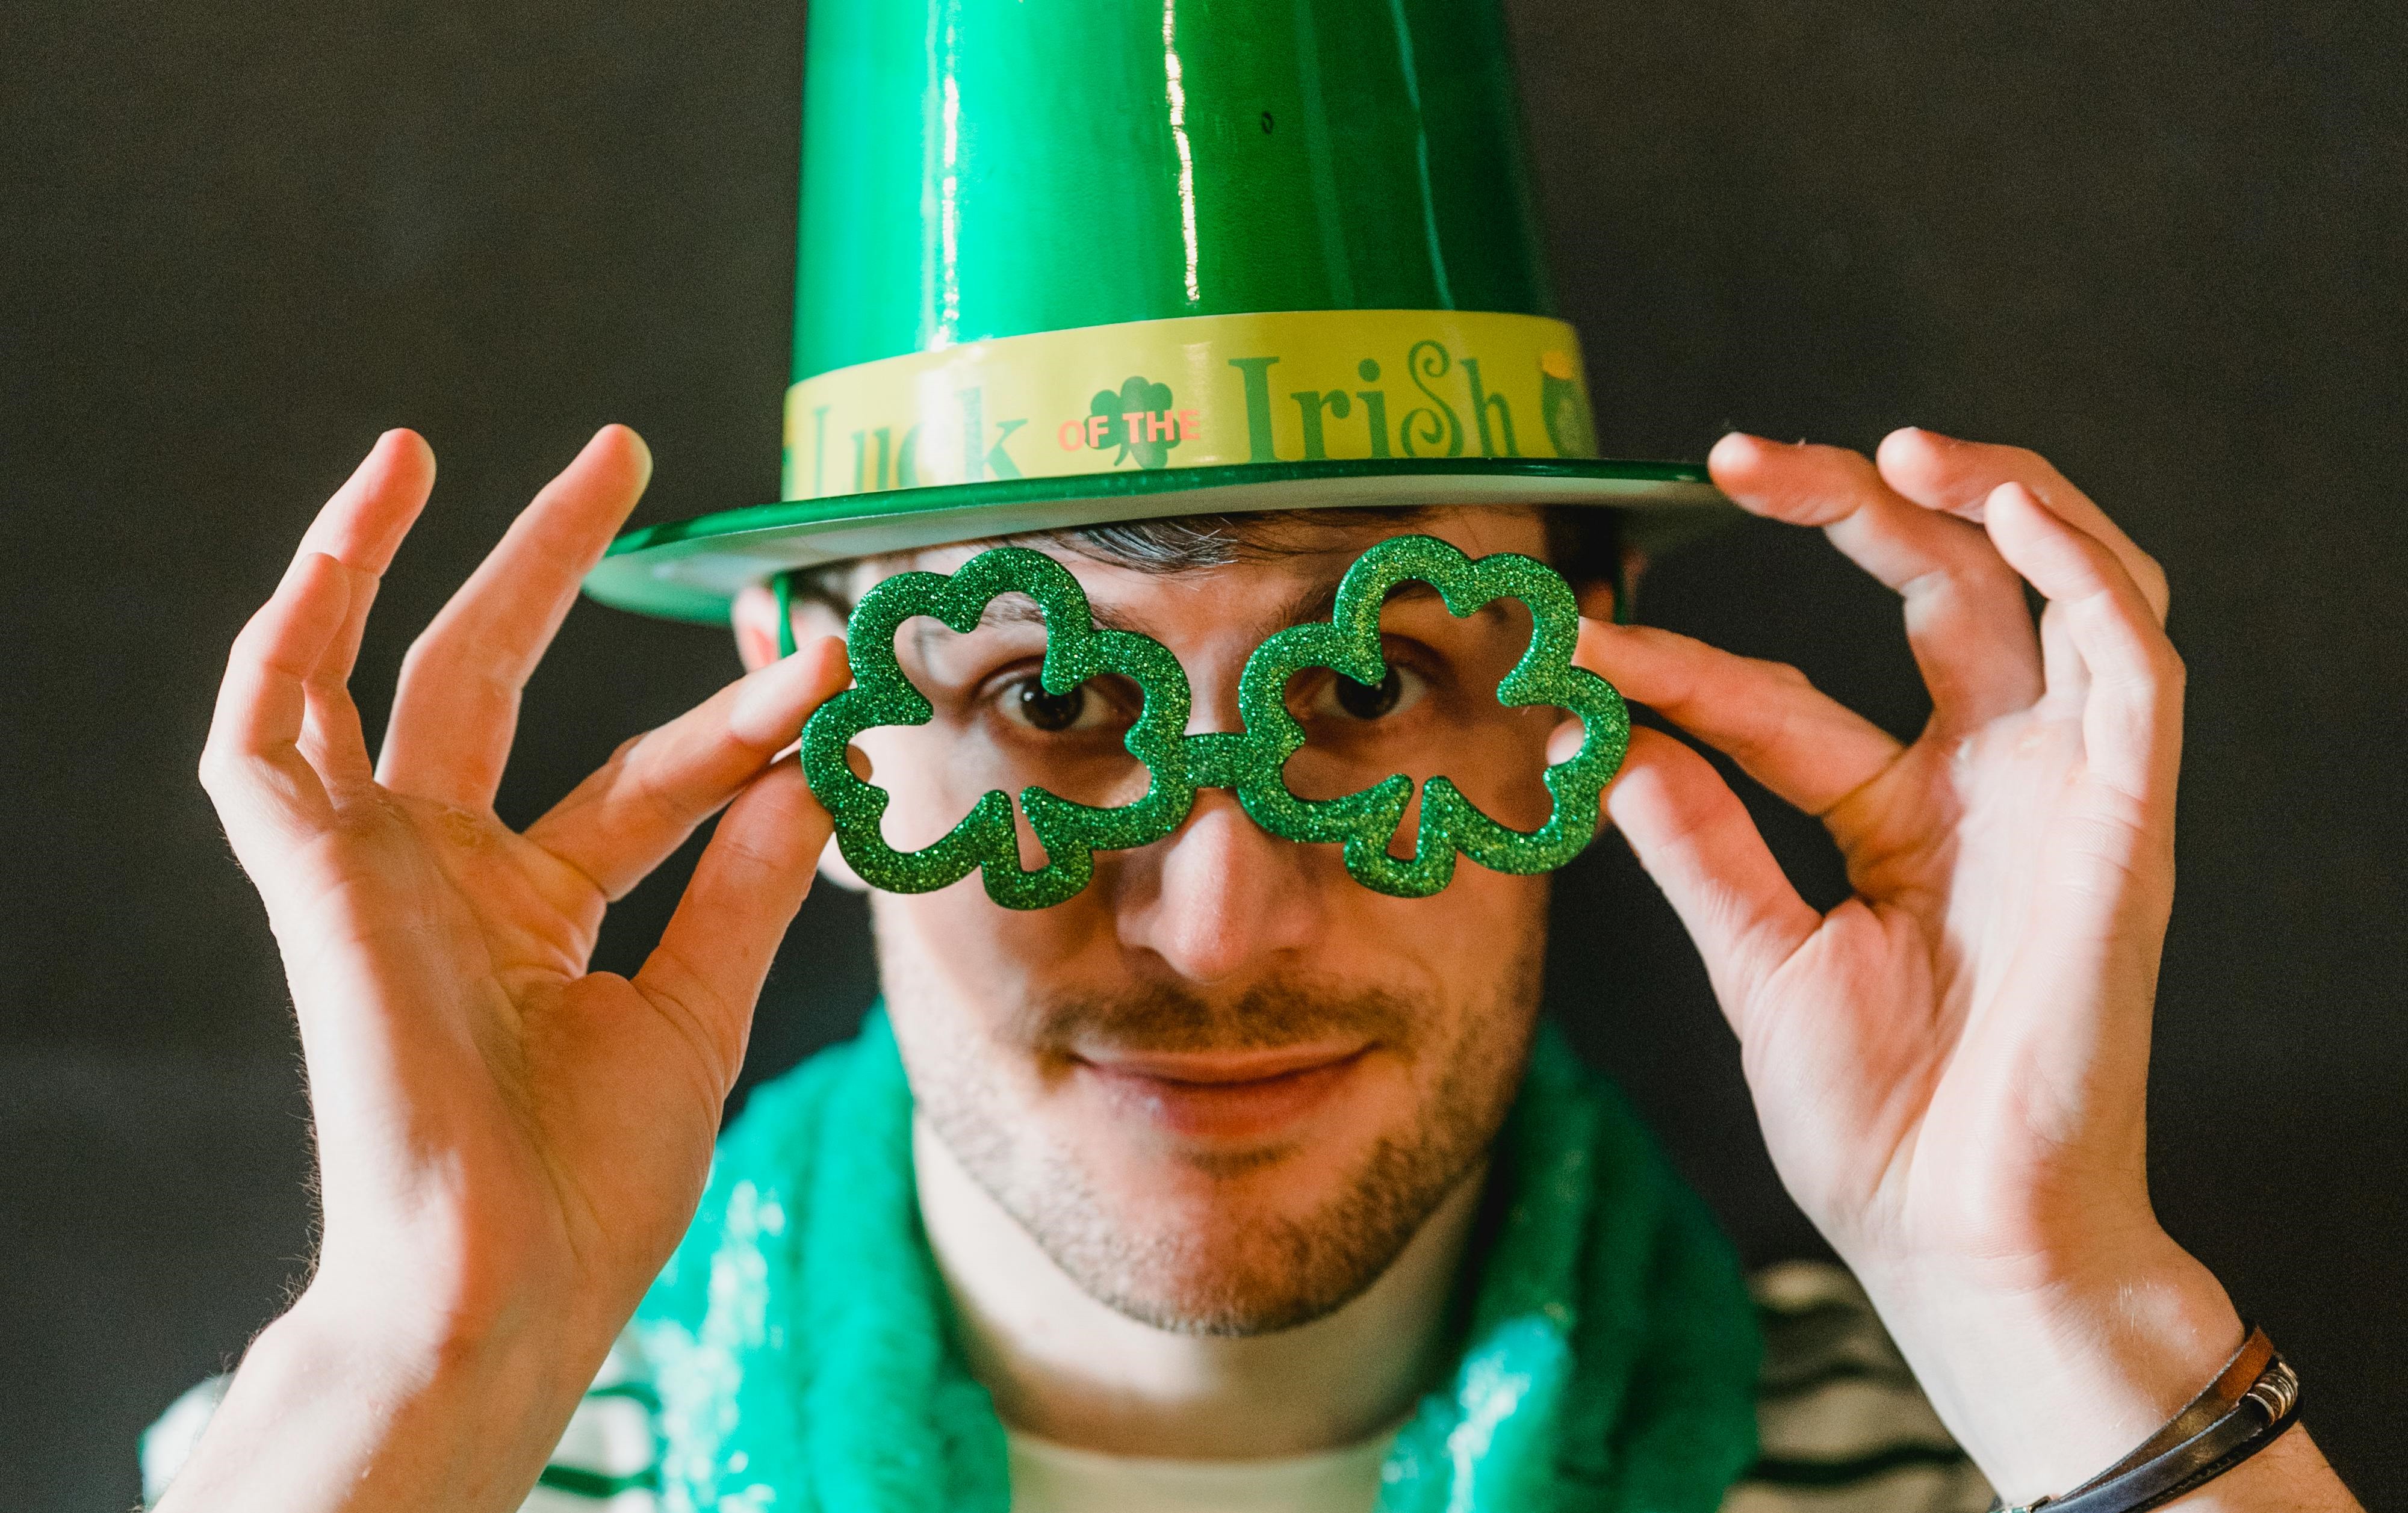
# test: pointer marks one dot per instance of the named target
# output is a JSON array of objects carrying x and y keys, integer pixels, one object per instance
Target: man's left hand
[{"x": 1951, "y": 1067}]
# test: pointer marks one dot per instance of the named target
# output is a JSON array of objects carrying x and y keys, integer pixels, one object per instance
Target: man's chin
[
  {"x": 1258, "y": 1280},
  {"x": 1239, "y": 1166},
  {"x": 1248, "y": 1241}
]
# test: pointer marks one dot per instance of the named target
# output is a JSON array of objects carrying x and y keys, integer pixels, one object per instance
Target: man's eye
[
  {"x": 1026, "y": 702},
  {"x": 1398, "y": 691}
]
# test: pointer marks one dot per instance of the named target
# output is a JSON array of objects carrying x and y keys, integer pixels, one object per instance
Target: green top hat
[{"x": 1068, "y": 261}]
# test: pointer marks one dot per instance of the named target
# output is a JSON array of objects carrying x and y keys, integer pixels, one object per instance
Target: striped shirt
[{"x": 1841, "y": 1425}]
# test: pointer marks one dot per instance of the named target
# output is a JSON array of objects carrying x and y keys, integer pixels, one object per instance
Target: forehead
[{"x": 1286, "y": 572}]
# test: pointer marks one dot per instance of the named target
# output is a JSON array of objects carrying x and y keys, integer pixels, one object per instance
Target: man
[{"x": 1227, "y": 1182}]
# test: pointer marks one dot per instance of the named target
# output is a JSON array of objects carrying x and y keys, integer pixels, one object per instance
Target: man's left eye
[
  {"x": 1342, "y": 697},
  {"x": 1026, "y": 702}
]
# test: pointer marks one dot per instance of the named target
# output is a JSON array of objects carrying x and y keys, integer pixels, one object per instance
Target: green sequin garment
[{"x": 804, "y": 1360}]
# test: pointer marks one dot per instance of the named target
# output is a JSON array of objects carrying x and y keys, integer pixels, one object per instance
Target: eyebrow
[
  {"x": 1019, "y": 610},
  {"x": 1319, "y": 600},
  {"x": 1311, "y": 602},
  {"x": 1007, "y": 609}
]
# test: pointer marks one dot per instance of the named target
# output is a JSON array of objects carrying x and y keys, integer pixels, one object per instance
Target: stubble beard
[{"x": 1250, "y": 1271}]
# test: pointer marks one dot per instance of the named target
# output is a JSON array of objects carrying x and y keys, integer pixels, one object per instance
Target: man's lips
[{"x": 1222, "y": 1097}]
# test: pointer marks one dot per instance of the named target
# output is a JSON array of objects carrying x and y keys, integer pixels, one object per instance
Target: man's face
[{"x": 1226, "y": 1083}]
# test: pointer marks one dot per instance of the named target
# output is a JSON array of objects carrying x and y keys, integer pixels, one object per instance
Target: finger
[
  {"x": 364, "y": 520},
  {"x": 2107, "y": 867},
  {"x": 332, "y": 740},
  {"x": 1965, "y": 619},
  {"x": 456, "y": 708},
  {"x": 1946, "y": 474},
  {"x": 1695, "y": 838},
  {"x": 753, "y": 877},
  {"x": 252, "y": 766},
  {"x": 2068, "y": 681},
  {"x": 1803, "y": 744},
  {"x": 363, "y": 525},
  {"x": 2132, "y": 709},
  {"x": 624, "y": 820}
]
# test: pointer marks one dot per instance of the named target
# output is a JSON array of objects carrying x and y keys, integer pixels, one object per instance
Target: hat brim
[{"x": 692, "y": 569}]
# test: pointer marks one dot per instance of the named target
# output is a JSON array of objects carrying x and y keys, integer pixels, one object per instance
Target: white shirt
[{"x": 1047, "y": 1477}]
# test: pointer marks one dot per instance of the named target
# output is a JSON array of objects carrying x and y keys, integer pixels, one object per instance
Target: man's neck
[{"x": 1066, "y": 1367}]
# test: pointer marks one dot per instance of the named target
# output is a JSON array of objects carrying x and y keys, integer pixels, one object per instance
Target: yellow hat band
[{"x": 1207, "y": 391}]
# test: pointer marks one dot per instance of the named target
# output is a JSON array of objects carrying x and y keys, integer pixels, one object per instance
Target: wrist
[
  {"x": 442, "y": 1299},
  {"x": 2051, "y": 1378},
  {"x": 348, "y": 1401},
  {"x": 412, "y": 1347}
]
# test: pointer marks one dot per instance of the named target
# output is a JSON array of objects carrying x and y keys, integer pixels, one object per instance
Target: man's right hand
[{"x": 509, "y": 1146}]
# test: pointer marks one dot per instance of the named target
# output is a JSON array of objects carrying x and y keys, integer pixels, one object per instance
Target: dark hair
[{"x": 1583, "y": 544}]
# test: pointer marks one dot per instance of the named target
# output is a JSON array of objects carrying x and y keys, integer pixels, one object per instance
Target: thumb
[
  {"x": 1695, "y": 838},
  {"x": 715, "y": 954}
]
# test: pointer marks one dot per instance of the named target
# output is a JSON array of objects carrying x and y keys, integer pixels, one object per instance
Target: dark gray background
[{"x": 2160, "y": 242}]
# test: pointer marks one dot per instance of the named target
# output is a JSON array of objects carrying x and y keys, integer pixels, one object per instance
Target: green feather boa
[{"x": 801, "y": 1349}]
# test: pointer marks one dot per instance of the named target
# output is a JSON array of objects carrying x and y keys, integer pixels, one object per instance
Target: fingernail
[
  {"x": 643, "y": 451},
  {"x": 2015, "y": 495}
]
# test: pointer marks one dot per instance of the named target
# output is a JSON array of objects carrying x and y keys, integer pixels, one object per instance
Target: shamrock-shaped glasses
[{"x": 1432, "y": 684}]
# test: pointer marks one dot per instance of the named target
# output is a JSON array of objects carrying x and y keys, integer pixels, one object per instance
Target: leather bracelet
[{"x": 2244, "y": 1410}]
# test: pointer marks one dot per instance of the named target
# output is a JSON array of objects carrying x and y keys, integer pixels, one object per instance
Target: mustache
[{"x": 1170, "y": 1019}]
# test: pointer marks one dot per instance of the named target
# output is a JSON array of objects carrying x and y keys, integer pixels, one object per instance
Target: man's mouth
[{"x": 1223, "y": 1097}]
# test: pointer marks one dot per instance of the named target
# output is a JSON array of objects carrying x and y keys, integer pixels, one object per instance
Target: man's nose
[{"x": 1219, "y": 897}]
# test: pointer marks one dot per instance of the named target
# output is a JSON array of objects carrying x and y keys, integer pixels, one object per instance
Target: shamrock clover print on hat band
[{"x": 1143, "y": 696}]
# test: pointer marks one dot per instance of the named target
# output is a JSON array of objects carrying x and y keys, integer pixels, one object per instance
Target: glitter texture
[
  {"x": 1365, "y": 822},
  {"x": 1249, "y": 761},
  {"x": 1075, "y": 650}
]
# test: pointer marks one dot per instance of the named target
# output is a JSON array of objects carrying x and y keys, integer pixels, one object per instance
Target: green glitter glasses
[{"x": 1421, "y": 706}]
